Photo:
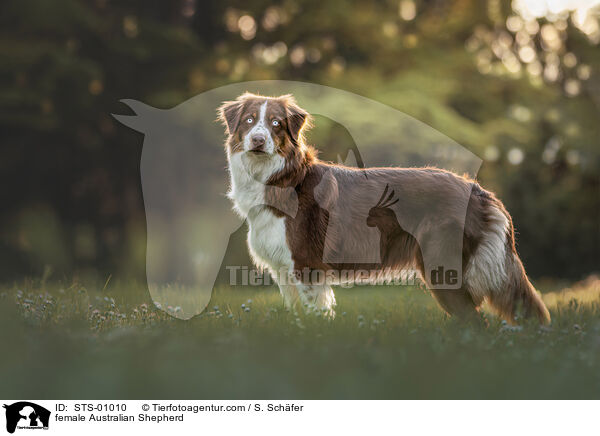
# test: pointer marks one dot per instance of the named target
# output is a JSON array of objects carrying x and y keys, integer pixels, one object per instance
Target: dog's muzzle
[{"x": 258, "y": 143}]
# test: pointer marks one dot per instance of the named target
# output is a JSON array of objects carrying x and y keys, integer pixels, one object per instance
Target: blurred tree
[{"x": 519, "y": 89}]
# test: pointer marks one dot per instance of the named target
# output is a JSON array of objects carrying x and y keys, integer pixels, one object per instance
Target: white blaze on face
[{"x": 260, "y": 128}]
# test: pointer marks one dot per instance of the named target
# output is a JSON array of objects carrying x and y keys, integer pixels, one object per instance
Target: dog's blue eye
[
  {"x": 249, "y": 120},
  {"x": 275, "y": 123}
]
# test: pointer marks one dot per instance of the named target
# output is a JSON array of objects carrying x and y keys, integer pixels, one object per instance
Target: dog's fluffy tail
[
  {"x": 518, "y": 298},
  {"x": 496, "y": 274}
]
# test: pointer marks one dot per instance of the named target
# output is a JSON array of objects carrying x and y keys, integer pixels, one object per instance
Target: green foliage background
[{"x": 71, "y": 198}]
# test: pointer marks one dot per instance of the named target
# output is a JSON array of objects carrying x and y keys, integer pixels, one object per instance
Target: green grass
[{"x": 385, "y": 342}]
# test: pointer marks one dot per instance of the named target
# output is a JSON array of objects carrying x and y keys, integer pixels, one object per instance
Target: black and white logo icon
[{"x": 26, "y": 415}]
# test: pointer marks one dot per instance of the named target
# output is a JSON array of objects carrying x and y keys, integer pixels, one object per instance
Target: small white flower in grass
[
  {"x": 361, "y": 318},
  {"x": 249, "y": 301},
  {"x": 178, "y": 309},
  {"x": 216, "y": 308},
  {"x": 230, "y": 316},
  {"x": 157, "y": 304},
  {"x": 243, "y": 306},
  {"x": 247, "y": 309},
  {"x": 361, "y": 324},
  {"x": 511, "y": 328}
]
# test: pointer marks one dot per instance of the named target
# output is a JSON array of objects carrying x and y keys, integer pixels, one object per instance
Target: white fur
[
  {"x": 260, "y": 127},
  {"x": 317, "y": 297},
  {"x": 486, "y": 271},
  {"x": 289, "y": 292},
  {"x": 248, "y": 175},
  {"x": 266, "y": 232}
]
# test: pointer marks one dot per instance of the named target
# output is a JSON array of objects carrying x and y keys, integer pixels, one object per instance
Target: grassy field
[{"x": 386, "y": 342}]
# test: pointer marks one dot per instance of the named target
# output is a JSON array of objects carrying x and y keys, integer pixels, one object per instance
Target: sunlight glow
[{"x": 584, "y": 13}]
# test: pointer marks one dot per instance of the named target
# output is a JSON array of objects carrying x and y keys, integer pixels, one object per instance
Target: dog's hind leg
[
  {"x": 439, "y": 254},
  {"x": 456, "y": 302}
]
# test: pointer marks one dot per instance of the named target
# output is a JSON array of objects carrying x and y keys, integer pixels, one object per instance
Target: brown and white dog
[{"x": 277, "y": 185}]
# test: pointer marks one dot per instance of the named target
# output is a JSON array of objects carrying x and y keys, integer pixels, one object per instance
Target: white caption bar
[{"x": 300, "y": 417}]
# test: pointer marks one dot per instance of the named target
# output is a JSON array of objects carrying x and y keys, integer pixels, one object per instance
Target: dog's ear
[
  {"x": 297, "y": 118},
  {"x": 229, "y": 114}
]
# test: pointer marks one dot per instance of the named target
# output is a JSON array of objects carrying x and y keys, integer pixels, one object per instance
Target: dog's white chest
[
  {"x": 267, "y": 240},
  {"x": 266, "y": 232}
]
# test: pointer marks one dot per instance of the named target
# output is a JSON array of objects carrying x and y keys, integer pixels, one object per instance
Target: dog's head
[{"x": 263, "y": 126}]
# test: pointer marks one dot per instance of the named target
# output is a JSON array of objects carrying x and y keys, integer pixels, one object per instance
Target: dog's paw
[{"x": 325, "y": 312}]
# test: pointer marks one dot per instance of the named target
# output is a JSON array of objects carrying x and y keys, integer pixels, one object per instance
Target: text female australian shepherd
[{"x": 288, "y": 197}]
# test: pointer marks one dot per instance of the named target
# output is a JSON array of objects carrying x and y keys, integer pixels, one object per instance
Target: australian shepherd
[{"x": 287, "y": 196}]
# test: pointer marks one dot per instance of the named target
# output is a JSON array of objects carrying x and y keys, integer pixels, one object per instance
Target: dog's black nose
[{"x": 258, "y": 140}]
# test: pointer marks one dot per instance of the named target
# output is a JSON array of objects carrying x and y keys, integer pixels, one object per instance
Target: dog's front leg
[
  {"x": 317, "y": 298},
  {"x": 289, "y": 292}
]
